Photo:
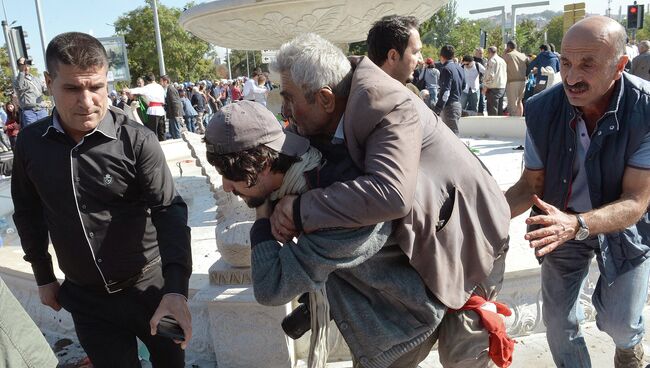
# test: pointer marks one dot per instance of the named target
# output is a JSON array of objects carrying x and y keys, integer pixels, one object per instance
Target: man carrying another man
[
  {"x": 377, "y": 299},
  {"x": 397, "y": 142}
]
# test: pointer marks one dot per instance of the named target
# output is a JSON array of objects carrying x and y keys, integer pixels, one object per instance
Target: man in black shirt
[
  {"x": 451, "y": 86},
  {"x": 98, "y": 185}
]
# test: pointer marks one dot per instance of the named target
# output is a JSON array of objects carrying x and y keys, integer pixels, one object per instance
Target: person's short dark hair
[
  {"x": 512, "y": 44},
  {"x": 551, "y": 47},
  {"x": 149, "y": 77},
  {"x": 166, "y": 78},
  {"x": 468, "y": 59},
  {"x": 448, "y": 52},
  {"x": 75, "y": 48},
  {"x": 248, "y": 164},
  {"x": 181, "y": 92},
  {"x": 543, "y": 47},
  {"x": 390, "y": 32}
]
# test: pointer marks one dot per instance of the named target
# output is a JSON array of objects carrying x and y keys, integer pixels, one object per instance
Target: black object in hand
[
  {"x": 169, "y": 327},
  {"x": 296, "y": 323}
]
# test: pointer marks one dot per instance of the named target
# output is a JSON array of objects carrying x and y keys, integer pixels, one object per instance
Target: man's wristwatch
[{"x": 583, "y": 230}]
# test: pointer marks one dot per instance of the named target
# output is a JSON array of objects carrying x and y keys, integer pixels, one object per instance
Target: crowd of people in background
[
  {"x": 166, "y": 107},
  {"x": 499, "y": 84},
  {"x": 169, "y": 108}
]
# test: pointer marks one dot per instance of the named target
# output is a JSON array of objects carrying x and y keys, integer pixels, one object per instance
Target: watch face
[{"x": 582, "y": 234}]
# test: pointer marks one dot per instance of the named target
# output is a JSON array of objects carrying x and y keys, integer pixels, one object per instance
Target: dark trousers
[
  {"x": 107, "y": 324},
  {"x": 157, "y": 125},
  {"x": 495, "y": 101},
  {"x": 450, "y": 114}
]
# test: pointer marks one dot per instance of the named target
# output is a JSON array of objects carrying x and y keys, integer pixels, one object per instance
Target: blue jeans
[
  {"x": 469, "y": 101},
  {"x": 174, "y": 128},
  {"x": 563, "y": 273},
  {"x": 32, "y": 116},
  {"x": 433, "y": 96},
  {"x": 189, "y": 122}
]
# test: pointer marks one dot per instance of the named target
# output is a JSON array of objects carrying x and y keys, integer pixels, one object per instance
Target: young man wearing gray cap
[{"x": 376, "y": 298}]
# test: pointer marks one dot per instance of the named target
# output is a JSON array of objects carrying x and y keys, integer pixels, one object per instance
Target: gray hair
[
  {"x": 492, "y": 49},
  {"x": 314, "y": 63},
  {"x": 645, "y": 45}
]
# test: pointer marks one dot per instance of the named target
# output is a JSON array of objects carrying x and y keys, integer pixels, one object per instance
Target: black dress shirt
[{"x": 108, "y": 204}]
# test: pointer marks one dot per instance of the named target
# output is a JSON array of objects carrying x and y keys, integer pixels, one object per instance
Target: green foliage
[
  {"x": 436, "y": 30},
  {"x": 358, "y": 48},
  {"x": 184, "y": 53},
  {"x": 554, "y": 32},
  {"x": 5, "y": 74},
  {"x": 528, "y": 37},
  {"x": 238, "y": 62}
]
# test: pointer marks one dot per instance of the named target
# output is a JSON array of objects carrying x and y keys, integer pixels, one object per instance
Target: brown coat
[{"x": 417, "y": 172}]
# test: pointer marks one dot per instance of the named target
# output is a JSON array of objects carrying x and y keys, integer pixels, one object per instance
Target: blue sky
[{"x": 96, "y": 16}]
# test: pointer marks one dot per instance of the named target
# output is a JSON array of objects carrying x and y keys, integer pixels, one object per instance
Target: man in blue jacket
[
  {"x": 544, "y": 58},
  {"x": 587, "y": 156}
]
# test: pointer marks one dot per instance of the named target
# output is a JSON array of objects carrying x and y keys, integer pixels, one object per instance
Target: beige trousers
[{"x": 515, "y": 95}]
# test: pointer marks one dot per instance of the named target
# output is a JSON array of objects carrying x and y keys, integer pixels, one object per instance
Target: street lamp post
[
  {"x": 41, "y": 27},
  {"x": 519, "y": 6},
  {"x": 503, "y": 17},
  {"x": 161, "y": 58}
]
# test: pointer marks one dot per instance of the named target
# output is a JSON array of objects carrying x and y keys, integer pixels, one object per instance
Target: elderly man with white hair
[{"x": 641, "y": 63}]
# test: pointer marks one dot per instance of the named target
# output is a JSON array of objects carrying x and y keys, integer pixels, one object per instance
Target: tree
[
  {"x": 5, "y": 74},
  {"x": 528, "y": 37},
  {"x": 184, "y": 53},
  {"x": 554, "y": 32},
  {"x": 436, "y": 30},
  {"x": 238, "y": 62}
]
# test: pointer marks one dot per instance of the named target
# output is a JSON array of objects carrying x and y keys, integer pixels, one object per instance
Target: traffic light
[
  {"x": 635, "y": 16},
  {"x": 20, "y": 47}
]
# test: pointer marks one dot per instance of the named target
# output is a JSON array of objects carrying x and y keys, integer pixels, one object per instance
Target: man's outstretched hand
[
  {"x": 282, "y": 225},
  {"x": 558, "y": 227}
]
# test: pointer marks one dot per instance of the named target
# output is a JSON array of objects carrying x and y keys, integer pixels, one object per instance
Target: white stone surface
[
  {"x": 266, "y": 24},
  {"x": 244, "y": 333}
]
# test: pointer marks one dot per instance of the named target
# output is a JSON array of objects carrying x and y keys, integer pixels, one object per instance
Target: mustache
[{"x": 580, "y": 86}]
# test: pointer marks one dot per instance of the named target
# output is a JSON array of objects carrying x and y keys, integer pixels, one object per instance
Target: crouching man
[{"x": 359, "y": 276}]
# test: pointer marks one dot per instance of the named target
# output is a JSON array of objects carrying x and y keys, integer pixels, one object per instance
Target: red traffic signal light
[{"x": 635, "y": 16}]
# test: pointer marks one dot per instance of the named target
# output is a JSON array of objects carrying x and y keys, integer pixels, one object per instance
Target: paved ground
[{"x": 532, "y": 351}]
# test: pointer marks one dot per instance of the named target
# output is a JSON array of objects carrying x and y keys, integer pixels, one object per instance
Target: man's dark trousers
[
  {"x": 107, "y": 324},
  {"x": 157, "y": 125},
  {"x": 495, "y": 101}
]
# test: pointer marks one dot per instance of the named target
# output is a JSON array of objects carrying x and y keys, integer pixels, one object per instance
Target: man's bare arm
[
  {"x": 558, "y": 227},
  {"x": 520, "y": 195},
  {"x": 626, "y": 211}
]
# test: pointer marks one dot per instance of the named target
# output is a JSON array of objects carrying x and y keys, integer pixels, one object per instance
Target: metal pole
[
  {"x": 161, "y": 58},
  {"x": 229, "y": 69},
  {"x": 41, "y": 27},
  {"x": 514, "y": 22},
  {"x": 503, "y": 26},
  {"x": 10, "y": 50},
  {"x": 248, "y": 69}
]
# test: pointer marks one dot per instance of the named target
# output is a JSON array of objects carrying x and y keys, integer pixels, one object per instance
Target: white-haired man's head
[{"x": 315, "y": 83}]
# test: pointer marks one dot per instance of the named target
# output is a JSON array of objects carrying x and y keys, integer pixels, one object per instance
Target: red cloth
[
  {"x": 501, "y": 346},
  {"x": 152, "y": 104}
]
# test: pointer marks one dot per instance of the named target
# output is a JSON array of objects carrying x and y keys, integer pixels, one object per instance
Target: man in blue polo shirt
[{"x": 588, "y": 157}]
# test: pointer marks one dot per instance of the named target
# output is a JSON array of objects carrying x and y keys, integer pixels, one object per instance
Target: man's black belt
[{"x": 117, "y": 286}]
